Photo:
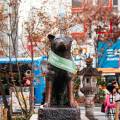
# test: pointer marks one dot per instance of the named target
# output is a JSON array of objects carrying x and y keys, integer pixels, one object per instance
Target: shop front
[{"x": 10, "y": 78}]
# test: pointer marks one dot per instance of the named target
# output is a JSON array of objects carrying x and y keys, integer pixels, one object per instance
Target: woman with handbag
[{"x": 110, "y": 102}]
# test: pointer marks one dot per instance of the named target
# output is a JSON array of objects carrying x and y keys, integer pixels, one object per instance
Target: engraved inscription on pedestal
[{"x": 59, "y": 114}]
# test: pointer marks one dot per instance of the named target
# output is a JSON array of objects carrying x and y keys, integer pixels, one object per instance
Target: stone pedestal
[
  {"x": 89, "y": 107},
  {"x": 59, "y": 114}
]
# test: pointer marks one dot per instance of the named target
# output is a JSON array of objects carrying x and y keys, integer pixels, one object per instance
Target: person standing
[
  {"x": 110, "y": 102},
  {"x": 117, "y": 100}
]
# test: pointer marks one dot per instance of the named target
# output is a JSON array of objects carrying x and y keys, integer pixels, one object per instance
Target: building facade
[{"x": 9, "y": 30}]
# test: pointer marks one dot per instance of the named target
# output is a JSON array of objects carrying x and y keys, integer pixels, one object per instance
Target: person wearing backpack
[{"x": 110, "y": 102}]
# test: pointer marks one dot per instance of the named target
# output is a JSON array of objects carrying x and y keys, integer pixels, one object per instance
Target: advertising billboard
[{"x": 109, "y": 54}]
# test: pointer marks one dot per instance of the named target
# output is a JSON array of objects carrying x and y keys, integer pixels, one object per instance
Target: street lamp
[{"x": 89, "y": 75}]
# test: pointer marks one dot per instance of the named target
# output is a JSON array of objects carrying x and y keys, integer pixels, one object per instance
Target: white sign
[
  {"x": 17, "y": 97},
  {"x": 77, "y": 28}
]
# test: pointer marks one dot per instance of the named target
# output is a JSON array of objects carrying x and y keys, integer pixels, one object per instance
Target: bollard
[
  {"x": 0, "y": 115},
  {"x": 5, "y": 114},
  {"x": 117, "y": 110}
]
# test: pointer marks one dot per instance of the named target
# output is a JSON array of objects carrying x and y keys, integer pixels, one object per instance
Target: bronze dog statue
[{"x": 59, "y": 82}]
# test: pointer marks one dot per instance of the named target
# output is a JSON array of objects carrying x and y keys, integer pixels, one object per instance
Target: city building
[
  {"x": 9, "y": 30},
  {"x": 3, "y": 38}
]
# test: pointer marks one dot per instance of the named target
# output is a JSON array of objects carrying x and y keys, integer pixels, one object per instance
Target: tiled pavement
[{"x": 98, "y": 114}]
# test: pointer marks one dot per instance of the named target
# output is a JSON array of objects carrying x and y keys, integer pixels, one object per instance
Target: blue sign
[
  {"x": 109, "y": 54},
  {"x": 39, "y": 82}
]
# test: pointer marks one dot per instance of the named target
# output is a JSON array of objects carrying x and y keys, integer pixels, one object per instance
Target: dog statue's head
[{"x": 60, "y": 43}]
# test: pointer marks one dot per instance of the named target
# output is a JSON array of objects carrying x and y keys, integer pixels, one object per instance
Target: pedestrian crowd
[{"x": 111, "y": 105}]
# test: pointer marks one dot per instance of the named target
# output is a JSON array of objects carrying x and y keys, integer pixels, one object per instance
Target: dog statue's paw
[
  {"x": 46, "y": 104},
  {"x": 74, "y": 104}
]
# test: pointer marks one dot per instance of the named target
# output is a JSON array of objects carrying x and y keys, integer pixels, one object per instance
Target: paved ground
[{"x": 98, "y": 114}]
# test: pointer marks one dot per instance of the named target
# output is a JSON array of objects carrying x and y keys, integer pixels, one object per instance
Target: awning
[
  {"x": 109, "y": 70},
  {"x": 24, "y": 60}
]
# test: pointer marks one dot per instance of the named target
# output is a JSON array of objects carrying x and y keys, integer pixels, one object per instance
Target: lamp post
[{"x": 89, "y": 81}]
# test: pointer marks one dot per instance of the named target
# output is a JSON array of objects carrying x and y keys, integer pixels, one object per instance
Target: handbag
[{"x": 103, "y": 108}]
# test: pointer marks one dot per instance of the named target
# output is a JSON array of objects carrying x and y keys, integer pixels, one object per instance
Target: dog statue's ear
[{"x": 51, "y": 37}]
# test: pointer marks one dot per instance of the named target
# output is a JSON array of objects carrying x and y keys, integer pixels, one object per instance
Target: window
[
  {"x": 115, "y": 5},
  {"x": 115, "y": 2},
  {"x": 87, "y": 80},
  {"x": 105, "y": 2},
  {"x": 77, "y": 3}
]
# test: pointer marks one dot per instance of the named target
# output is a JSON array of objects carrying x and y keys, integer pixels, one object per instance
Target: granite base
[{"x": 59, "y": 114}]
